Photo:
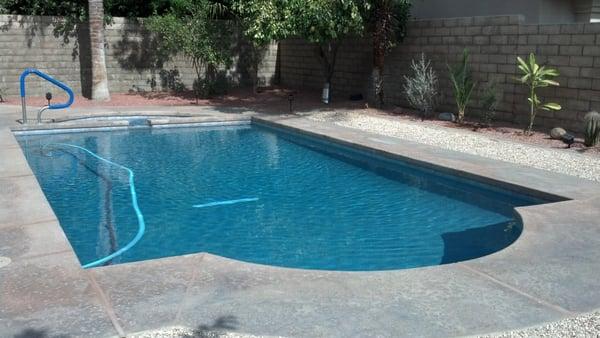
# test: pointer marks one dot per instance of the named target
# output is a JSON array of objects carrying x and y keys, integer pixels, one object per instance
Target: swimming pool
[{"x": 267, "y": 196}]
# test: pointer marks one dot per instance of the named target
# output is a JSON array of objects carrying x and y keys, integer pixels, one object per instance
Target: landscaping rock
[
  {"x": 557, "y": 133},
  {"x": 447, "y": 117}
]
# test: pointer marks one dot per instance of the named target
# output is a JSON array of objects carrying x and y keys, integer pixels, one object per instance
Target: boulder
[
  {"x": 447, "y": 117},
  {"x": 557, "y": 133}
]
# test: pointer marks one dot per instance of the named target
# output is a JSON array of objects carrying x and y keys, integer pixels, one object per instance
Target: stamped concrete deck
[{"x": 549, "y": 273}]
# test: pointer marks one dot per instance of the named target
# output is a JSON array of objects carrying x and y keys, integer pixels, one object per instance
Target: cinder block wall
[
  {"x": 494, "y": 44},
  {"x": 132, "y": 59}
]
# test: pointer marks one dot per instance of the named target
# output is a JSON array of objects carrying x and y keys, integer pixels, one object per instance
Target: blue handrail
[{"x": 50, "y": 79}]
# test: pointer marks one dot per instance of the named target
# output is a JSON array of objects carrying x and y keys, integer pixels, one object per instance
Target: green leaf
[{"x": 552, "y": 106}]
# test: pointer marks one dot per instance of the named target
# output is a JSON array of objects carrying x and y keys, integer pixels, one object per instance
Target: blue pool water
[{"x": 260, "y": 195}]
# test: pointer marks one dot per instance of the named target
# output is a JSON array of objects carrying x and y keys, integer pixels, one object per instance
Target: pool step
[{"x": 139, "y": 123}]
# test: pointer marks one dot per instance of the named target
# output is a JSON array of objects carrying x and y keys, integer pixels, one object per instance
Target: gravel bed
[
  {"x": 555, "y": 160},
  {"x": 587, "y": 325},
  {"x": 184, "y": 332}
]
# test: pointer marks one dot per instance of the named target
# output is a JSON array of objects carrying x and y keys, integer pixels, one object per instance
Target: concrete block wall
[
  {"x": 300, "y": 67},
  {"x": 494, "y": 44},
  {"x": 132, "y": 59}
]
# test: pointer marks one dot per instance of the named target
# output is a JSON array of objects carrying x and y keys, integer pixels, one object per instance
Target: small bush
[
  {"x": 489, "y": 103},
  {"x": 421, "y": 87}
]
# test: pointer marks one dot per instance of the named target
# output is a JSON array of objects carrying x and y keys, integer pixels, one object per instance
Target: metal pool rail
[{"x": 50, "y": 79}]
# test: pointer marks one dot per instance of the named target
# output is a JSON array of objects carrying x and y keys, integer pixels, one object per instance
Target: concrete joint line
[
  {"x": 17, "y": 176},
  {"x": 520, "y": 292},
  {"x": 187, "y": 290},
  {"x": 16, "y": 225},
  {"x": 106, "y": 304}
]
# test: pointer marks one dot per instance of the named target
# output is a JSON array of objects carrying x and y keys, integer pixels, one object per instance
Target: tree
[
  {"x": 326, "y": 23},
  {"x": 261, "y": 23},
  {"x": 190, "y": 28},
  {"x": 99, "y": 74},
  {"x": 388, "y": 20}
]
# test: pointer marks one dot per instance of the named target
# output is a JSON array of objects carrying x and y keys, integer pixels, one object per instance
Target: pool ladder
[{"x": 50, "y": 79}]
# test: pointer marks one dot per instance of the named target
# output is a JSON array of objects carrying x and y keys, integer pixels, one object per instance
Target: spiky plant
[
  {"x": 534, "y": 77},
  {"x": 592, "y": 129},
  {"x": 462, "y": 84}
]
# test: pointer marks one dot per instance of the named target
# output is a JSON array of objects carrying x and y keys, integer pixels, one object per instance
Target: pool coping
[{"x": 528, "y": 283}]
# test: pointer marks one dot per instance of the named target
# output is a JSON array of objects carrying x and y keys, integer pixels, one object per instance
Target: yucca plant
[{"x": 535, "y": 77}]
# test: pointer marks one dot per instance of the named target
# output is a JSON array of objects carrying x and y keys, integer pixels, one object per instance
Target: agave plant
[
  {"x": 535, "y": 77},
  {"x": 463, "y": 85}
]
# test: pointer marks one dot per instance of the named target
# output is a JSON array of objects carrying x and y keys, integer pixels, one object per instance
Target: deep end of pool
[{"x": 264, "y": 195}]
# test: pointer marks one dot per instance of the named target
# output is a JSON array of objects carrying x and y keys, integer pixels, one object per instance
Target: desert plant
[
  {"x": 592, "y": 129},
  {"x": 535, "y": 77},
  {"x": 421, "y": 87},
  {"x": 462, "y": 85},
  {"x": 489, "y": 103}
]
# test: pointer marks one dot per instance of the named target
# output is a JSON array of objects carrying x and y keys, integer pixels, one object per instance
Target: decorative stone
[
  {"x": 557, "y": 133},
  {"x": 447, "y": 117},
  {"x": 4, "y": 261}
]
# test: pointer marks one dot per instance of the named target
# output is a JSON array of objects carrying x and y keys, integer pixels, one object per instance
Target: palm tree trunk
[{"x": 99, "y": 74}]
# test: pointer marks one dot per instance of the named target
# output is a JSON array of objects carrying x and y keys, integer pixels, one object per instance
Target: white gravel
[
  {"x": 556, "y": 160},
  {"x": 587, "y": 325},
  {"x": 185, "y": 332}
]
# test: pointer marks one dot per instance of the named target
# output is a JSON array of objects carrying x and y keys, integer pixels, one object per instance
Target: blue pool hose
[{"x": 134, "y": 202}]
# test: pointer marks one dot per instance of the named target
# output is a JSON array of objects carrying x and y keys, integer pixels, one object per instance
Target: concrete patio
[{"x": 551, "y": 272}]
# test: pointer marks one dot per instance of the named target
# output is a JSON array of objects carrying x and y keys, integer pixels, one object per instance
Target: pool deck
[{"x": 552, "y": 271}]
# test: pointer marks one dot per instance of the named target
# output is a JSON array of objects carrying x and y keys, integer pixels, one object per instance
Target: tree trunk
[
  {"x": 99, "y": 75},
  {"x": 328, "y": 57}
]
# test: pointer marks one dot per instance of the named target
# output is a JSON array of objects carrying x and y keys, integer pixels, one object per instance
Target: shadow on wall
[
  {"x": 138, "y": 50},
  {"x": 67, "y": 32}
]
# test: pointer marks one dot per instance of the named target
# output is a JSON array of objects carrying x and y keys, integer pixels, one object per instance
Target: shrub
[
  {"x": 535, "y": 77},
  {"x": 421, "y": 87},
  {"x": 592, "y": 129},
  {"x": 489, "y": 103},
  {"x": 462, "y": 84}
]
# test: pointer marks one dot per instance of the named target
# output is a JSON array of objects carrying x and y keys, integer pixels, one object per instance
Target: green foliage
[
  {"x": 534, "y": 77},
  {"x": 263, "y": 21},
  {"x": 326, "y": 23},
  {"x": 489, "y": 103},
  {"x": 592, "y": 129},
  {"x": 388, "y": 20},
  {"x": 421, "y": 87},
  {"x": 462, "y": 85},
  {"x": 189, "y": 29}
]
